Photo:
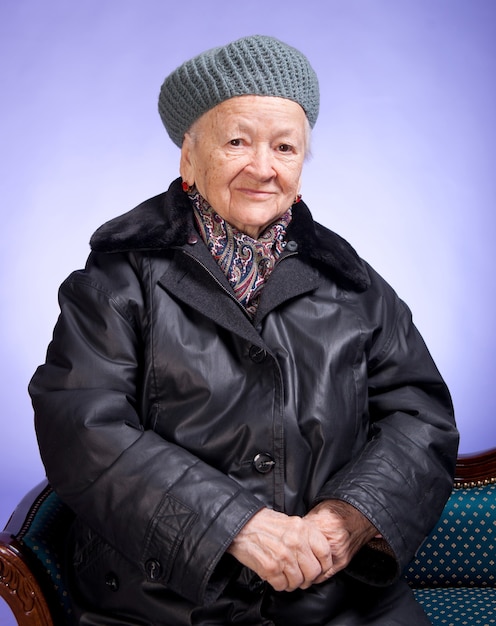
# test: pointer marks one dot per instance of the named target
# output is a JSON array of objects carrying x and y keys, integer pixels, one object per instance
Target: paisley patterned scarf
[{"x": 246, "y": 262}]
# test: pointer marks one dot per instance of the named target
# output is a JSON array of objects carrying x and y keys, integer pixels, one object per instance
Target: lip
[{"x": 256, "y": 193}]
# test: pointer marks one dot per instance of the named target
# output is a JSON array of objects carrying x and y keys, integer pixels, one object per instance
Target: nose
[{"x": 262, "y": 163}]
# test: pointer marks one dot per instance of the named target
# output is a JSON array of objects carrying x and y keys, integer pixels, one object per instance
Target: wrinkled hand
[
  {"x": 346, "y": 530},
  {"x": 288, "y": 552}
]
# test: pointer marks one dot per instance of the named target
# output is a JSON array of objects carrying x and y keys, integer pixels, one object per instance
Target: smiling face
[{"x": 245, "y": 157}]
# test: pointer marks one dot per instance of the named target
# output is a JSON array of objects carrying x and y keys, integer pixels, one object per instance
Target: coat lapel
[
  {"x": 290, "y": 279},
  {"x": 196, "y": 280}
]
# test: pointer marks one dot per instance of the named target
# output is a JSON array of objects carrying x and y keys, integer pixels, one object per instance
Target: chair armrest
[
  {"x": 25, "y": 509},
  {"x": 31, "y": 556},
  {"x": 476, "y": 469},
  {"x": 18, "y": 584}
]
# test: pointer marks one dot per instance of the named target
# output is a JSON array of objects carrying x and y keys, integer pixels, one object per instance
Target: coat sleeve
[
  {"x": 403, "y": 475},
  {"x": 163, "y": 509}
]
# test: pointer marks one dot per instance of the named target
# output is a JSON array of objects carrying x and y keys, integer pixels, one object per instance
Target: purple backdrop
[{"x": 403, "y": 162}]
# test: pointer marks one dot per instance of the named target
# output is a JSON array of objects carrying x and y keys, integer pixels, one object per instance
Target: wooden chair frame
[{"x": 24, "y": 585}]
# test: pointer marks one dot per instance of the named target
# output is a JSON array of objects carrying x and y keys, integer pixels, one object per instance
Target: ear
[
  {"x": 298, "y": 187},
  {"x": 186, "y": 164}
]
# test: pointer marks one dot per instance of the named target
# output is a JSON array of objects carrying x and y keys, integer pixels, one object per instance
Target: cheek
[
  {"x": 219, "y": 176},
  {"x": 292, "y": 177},
  {"x": 213, "y": 184}
]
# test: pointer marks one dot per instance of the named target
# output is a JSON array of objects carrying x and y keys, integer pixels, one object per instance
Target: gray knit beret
[{"x": 256, "y": 65}]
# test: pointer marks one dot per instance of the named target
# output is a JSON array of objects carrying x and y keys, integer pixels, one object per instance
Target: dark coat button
[
  {"x": 153, "y": 569},
  {"x": 264, "y": 462},
  {"x": 257, "y": 354},
  {"x": 292, "y": 246},
  {"x": 112, "y": 581},
  {"x": 192, "y": 239}
]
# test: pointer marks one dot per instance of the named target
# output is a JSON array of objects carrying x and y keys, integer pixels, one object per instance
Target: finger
[
  {"x": 311, "y": 568},
  {"x": 279, "y": 566},
  {"x": 279, "y": 582},
  {"x": 293, "y": 573},
  {"x": 298, "y": 570},
  {"x": 322, "y": 550},
  {"x": 314, "y": 556}
]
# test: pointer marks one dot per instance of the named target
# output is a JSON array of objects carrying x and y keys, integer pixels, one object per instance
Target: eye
[
  {"x": 284, "y": 147},
  {"x": 235, "y": 142}
]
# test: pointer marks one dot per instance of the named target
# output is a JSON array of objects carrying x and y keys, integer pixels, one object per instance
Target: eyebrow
[{"x": 247, "y": 126}]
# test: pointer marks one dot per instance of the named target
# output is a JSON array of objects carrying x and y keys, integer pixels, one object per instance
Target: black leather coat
[{"x": 166, "y": 418}]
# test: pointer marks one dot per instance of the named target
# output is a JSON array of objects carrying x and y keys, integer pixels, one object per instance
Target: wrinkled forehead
[{"x": 254, "y": 114}]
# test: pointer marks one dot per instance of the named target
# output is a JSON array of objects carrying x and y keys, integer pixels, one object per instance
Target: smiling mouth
[{"x": 256, "y": 193}]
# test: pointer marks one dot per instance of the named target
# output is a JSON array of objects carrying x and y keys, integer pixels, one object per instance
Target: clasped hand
[{"x": 291, "y": 552}]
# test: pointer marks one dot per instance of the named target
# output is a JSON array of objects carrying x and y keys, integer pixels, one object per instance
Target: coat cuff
[
  {"x": 195, "y": 564},
  {"x": 374, "y": 564}
]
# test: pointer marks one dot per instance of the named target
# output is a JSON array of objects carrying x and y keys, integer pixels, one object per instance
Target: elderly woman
[{"x": 238, "y": 409}]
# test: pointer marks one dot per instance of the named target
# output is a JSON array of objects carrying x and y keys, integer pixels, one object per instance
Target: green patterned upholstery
[
  {"x": 461, "y": 550},
  {"x": 454, "y": 573},
  {"x": 44, "y": 534},
  {"x": 457, "y": 606}
]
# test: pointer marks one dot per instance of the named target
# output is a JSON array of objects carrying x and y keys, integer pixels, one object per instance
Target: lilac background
[{"x": 403, "y": 162}]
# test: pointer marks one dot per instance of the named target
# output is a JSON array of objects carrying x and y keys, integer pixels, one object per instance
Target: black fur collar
[{"x": 166, "y": 221}]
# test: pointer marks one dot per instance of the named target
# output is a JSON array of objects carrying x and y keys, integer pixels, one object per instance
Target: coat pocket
[{"x": 102, "y": 578}]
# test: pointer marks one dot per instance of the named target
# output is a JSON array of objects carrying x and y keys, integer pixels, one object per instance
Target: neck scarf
[{"x": 246, "y": 262}]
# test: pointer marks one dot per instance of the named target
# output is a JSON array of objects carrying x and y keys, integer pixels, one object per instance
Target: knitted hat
[{"x": 256, "y": 65}]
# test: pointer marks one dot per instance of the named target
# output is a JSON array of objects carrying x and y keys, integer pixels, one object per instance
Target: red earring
[
  {"x": 185, "y": 186},
  {"x": 297, "y": 199}
]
